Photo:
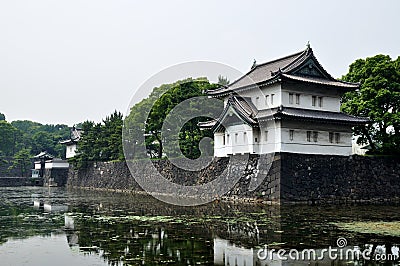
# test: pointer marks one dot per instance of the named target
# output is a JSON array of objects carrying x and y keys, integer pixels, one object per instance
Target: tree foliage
[
  {"x": 22, "y": 161},
  {"x": 100, "y": 141},
  {"x": 7, "y": 138},
  {"x": 379, "y": 99},
  {"x": 21, "y": 140},
  {"x": 223, "y": 80},
  {"x": 165, "y": 98},
  {"x": 2, "y": 117}
]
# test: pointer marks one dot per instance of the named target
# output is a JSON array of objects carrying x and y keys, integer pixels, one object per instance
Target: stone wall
[
  {"x": 20, "y": 181},
  {"x": 339, "y": 178},
  {"x": 6, "y": 171},
  {"x": 283, "y": 177},
  {"x": 56, "y": 177}
]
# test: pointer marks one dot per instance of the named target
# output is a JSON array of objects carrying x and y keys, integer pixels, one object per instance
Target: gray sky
[{"x": 70, "y": 61}]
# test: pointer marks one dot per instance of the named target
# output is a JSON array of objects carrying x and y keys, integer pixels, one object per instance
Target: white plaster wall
[
  {"x": 299, "y": 144},
  {"x": 273, "y": 142},
  {"x": 239, "y": 139},
  {"x": 56, "y": 164},
  {"x": 329, "y": 102},
  {"x": 261, "y": 103},
  {"x": 219, "y": 147},
  {"x": 70, "y": 151}
]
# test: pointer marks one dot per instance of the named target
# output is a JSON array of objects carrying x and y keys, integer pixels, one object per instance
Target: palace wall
[{"x": 287, "y": 177}]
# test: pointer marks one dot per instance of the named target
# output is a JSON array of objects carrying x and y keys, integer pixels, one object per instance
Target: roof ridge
[
  {"x": 298, "y": 54},
  {"x": 279, "y": 59},
  {"x": 333, "y": 112},
  {"x": 248, "y": 103}
]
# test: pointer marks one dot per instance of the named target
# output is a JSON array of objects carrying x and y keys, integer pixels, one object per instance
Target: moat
[{"x": 80, "y": 227}]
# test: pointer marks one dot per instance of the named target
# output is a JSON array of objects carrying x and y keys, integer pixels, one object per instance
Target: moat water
[{"x": 79, "y": 227}]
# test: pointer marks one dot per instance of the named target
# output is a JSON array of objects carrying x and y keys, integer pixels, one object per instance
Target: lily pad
[{"x": 378, "y": 228}]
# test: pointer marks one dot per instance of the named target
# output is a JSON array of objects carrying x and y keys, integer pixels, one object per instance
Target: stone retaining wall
[
  {"x": 283, "y": 177},
  {"x": 20, "y": 181},
  {"x": 7, "y": 171}
]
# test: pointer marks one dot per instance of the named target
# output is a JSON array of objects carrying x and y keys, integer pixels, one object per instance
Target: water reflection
[{"x": 134, "y": 229}]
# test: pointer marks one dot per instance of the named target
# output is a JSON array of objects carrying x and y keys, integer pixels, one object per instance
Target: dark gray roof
[
  {"x": 307, "y": 114},
  {"x": 263, "y": 71},
  {"x": 75, "y": 136},
  {"x": 244, "y": 108},
  {"x": 335, "y": 83},
  {"x": 44, "y": 155},
  {"x": 287, "y": 67}
]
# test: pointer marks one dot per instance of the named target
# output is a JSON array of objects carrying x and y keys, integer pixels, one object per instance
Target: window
[
  {"x": 297, "y": 98},
  {"x": 331, "y": 137},
  {"x": 236, "y": 137},
  {"x": 266, "y": 136},
  {"x": 315, "y": 136},
  {"x": 255, "y": 140},
  {"x": 337, "y": 137},
  {"x": 272, "y": 98},
  {"x": 291, "y": 98},
  {"x": 319, "y": 101},
  {"x": 314, "y": 101},
  {"x": 266, "y": 99},
  {"x": 227, "y": 139},
  {"x": 291, "y": 134},
  {"x": 244, "y": 137},
  {"x": 223, "y": 140},
  {"x": 309, "y": 136},
  {"x": 256, "y": 101}
]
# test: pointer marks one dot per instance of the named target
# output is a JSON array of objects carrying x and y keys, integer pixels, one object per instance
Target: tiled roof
[
  {"x": 307, "y": 114},
  {"x": 272, "y": 71},
  {"x": 263, "y": 71},
  {"x": 75, "y": 136},
  {"x": 207, "y": 124},
  {"x": 315, "y": 80},
  {"x": 244, "y": 108}
]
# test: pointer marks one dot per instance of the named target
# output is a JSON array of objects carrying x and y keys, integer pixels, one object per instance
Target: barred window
[
  {"x": 315, "y": 136},
  {"x": 297, "y": 98},
  {"x": 331, "y": 137},
  {"x": 309, "y": 136},
  {"x": 337, "y": 137}
]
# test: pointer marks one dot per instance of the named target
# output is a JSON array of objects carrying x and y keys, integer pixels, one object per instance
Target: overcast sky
[{"x": 70, "y": 61}]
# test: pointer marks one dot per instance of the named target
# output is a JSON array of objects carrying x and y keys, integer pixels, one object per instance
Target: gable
[
  {"x": 231, "y": 117},
  {"x": 310, "y": 68}
]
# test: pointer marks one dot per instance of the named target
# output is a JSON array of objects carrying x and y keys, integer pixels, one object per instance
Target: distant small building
[
  {"x": 54, "y": 171},
  {"x": 72, "y": 142}
]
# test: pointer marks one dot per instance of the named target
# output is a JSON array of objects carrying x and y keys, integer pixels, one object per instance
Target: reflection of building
[
  {"x": 69, "y": 225},
  {"x": 227, "y": 253},
  {"x": 71, "y": 143},
  {"x": 291, "y": 104}
]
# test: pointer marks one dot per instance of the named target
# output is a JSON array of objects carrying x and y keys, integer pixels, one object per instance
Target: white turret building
[
  {"x": 291, "y": 104},
  {"x": 71, "y": 144}
]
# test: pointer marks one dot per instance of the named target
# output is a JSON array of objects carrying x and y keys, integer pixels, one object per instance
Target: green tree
[
  {"x": 22, "y": 161},
  {"x": 38, "y": 137},
  {"x": 165, "y": 98},
  {"x": 2, "y": 117},
  {"x": 7, "y": 138},
  {"x": 111, "y": 137},
  {"x": 379, "y": 99},
  {"x": 223, "y": 80},
  {"x": 100, "y": 141}
]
